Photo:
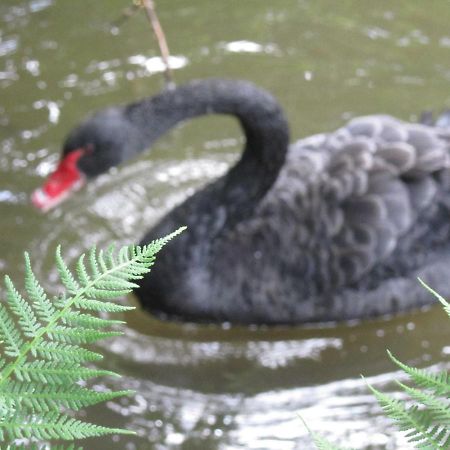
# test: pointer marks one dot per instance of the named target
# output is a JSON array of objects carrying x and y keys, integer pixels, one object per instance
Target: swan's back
[{"x": 353, "y": 218}]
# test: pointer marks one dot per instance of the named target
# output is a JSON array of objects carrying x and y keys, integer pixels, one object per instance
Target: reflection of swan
[{"x": 336, "y": 226}]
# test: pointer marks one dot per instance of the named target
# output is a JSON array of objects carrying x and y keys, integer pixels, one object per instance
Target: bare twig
[{"x": 149, "y": 7}]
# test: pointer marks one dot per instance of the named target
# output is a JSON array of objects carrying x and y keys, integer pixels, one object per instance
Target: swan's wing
[{"x": 381, "y": 177}]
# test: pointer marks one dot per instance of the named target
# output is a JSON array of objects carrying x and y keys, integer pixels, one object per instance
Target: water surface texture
[{"x": 215, "y": 387}]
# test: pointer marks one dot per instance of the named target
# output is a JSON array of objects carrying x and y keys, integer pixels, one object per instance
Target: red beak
[{"x": 63, "y": 181}]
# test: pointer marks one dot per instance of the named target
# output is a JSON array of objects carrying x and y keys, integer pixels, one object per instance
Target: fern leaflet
[
  {"x": 319, "y": 441},
  {"x": 437, "y": 382},
  {"x": 416, "y": 422}
]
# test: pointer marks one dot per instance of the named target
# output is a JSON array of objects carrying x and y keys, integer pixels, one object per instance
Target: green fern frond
[
  {"x": 78, "y": 335},
  {"x": 322, "y": 444},
  {"x": 77, "y": 319},
  {"x": 65, "y": 353},
  {"x": 319, "y": 441},
  {"x": 65, "y": 274},
  {"x": 438, "y": 410},
  {"x": 37, "y": 297},
  {"x": 439, "y": 297},
  {"x": 57, "y": 372},
  {"x": 21, "y": 308},
  {"x": 9, "y": 334},
  {"x": 47, "y": 397},
  {"x": 427, "y": 422},
  {"x": 415, "y": 422},
  {"x": 93, "y": 265},
  {"x": 52, "y": 425},
  {"x": 438, "y": 382},
  {"x": 42, "y": 372}
]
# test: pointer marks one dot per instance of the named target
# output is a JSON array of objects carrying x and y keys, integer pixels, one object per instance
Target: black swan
[{"x": 336, "y": 226}]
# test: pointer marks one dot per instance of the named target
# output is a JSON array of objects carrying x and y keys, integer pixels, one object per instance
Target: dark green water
[{"x": 211, "y": 387}]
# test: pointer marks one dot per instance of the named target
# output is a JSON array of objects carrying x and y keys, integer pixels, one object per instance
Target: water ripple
[{"x": 8, "y": 46}]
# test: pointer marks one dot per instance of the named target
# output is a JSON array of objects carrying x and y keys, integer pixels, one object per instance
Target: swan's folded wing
[{"x": 383, "y": 175}]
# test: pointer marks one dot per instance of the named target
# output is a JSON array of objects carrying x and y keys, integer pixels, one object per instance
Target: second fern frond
[{"x": 426, "y": 423}]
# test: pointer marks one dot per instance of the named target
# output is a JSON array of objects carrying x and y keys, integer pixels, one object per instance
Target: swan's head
[{"x": 101, "y": 142}]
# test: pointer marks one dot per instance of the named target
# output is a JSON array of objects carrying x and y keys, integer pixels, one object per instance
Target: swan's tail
[{"x": 442, "y": 120}]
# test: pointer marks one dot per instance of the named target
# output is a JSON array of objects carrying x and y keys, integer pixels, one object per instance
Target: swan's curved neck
[{"x": 262, "y": 120}]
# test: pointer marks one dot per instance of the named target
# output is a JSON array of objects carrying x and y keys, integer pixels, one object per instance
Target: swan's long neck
[{"x": 262, "y": 120}]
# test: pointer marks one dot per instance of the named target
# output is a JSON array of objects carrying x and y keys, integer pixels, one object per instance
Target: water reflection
[
  {"x": 249, "y": 47},
  {"x": 224, "y": 389}
]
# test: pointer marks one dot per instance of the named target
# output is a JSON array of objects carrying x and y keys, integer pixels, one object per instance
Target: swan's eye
[{"x": 89, "y": 149}]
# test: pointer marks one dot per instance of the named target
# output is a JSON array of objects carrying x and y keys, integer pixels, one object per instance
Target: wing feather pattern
[{"x": 378, "y": 177}]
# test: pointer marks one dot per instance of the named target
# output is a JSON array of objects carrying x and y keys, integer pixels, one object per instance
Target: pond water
[{"x": 210, "y": 386}]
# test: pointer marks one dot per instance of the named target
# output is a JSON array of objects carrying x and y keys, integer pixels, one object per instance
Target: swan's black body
[{"x": 333, "y": 227}]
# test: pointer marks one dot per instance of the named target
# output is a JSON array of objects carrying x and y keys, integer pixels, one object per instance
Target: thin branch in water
[{"x": 149, "y": 7}]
